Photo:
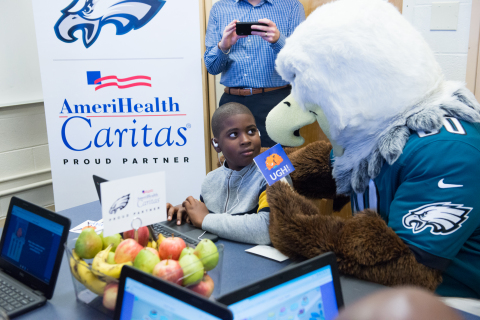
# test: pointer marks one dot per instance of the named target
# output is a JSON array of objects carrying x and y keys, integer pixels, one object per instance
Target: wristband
[{"x": 224, "y": 51}]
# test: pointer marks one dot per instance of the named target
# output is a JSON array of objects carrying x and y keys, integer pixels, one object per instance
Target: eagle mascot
[{"x": 405, "y": 149}]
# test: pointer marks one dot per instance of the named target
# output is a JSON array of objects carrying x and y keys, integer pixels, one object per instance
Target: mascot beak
[{"x": 284, "y": 121}]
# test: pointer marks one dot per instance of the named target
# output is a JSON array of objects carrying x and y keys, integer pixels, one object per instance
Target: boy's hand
[
  {"x": 196, "y": 211},
  {"x": 176, "y": 211}
]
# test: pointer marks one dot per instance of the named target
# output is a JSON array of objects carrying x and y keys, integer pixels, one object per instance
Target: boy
[{"x": 233, "y": 201}]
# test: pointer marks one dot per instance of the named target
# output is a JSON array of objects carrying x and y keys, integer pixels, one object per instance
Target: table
[{"x": 239, "y": 269}]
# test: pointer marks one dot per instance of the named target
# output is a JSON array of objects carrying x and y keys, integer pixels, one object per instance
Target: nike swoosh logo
[{"x": 442, "y": 185}]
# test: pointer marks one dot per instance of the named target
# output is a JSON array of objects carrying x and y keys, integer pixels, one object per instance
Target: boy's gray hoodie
[{"x": 232, "y": 197}]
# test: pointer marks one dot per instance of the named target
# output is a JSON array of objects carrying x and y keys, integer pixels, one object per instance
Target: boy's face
[{"x": 239, "y": 141}]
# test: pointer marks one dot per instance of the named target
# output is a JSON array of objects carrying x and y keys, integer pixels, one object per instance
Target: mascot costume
[{"x": 405, "y": 147}]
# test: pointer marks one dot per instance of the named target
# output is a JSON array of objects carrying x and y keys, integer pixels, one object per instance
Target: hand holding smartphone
[{"x": 245, "y": 28}]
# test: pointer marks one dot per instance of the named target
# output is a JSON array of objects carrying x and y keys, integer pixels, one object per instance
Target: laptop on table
[
  {"x": 308, "y": 290},
  {"x": 31, "y": 251},
  {"x": 190, "y": 234},
  {"x": 142, "y": 296}
]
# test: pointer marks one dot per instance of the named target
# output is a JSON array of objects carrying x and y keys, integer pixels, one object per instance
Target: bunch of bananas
[
  {"x": 101, "y": 267},
  {"x": 82, "y": 273}
]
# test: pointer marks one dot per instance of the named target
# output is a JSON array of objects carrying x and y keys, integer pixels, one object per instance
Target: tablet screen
[
  {"x": 311, "y": 296},
  {"x": 31, "y": 243},
  {"x": 145, "y": 303}
]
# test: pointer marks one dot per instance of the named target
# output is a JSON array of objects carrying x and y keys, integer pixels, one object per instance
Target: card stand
[{"x": 89, "y": 287}]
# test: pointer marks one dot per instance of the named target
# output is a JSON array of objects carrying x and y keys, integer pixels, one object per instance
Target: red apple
[
  {"x": 142, "y": 233},
  {"x": 127, "y": 250},
  {"x": 204, "y": 287},
  {"x": 169, "y": 270},
  {"x": 170, "y": 248},
  {"x": 110, "y": 295},
  {"x": 153, "y": 251}
]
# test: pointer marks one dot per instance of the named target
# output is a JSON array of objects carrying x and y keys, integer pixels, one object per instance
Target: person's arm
[
  {"x": 218, "y": 44},
  {"x": 248, "y": 228},
  {"x": 271, "y": 33}
]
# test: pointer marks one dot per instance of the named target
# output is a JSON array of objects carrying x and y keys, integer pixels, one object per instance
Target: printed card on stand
[
  {"x": 133, "y": 202},
  {"x": 274, "y": 164}
]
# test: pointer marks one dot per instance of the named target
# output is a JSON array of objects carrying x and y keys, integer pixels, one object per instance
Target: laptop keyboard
[
  {"x": 167, "y": 232},
  {"x": 11, "y": 298}
]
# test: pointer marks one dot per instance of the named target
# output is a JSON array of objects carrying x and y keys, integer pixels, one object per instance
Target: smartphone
[{"x": 245, "y": 28}]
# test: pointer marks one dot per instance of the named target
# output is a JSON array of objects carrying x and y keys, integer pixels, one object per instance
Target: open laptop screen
[
  {"x": 311, "y": 296},
  {"x": 32, "y": 243},
  {"x": 144, "y": 302}
]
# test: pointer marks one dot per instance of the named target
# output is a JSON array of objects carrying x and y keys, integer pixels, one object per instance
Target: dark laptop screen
[
  {"x": 144, "y": 302},
  {"x": 31, "y": 243},
  {"x": 311, "y": 296}
]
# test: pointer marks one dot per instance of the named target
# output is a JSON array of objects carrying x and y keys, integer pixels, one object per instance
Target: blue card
[{"x": 274, "y": 164}]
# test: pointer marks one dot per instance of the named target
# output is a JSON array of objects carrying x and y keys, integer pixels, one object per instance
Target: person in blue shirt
[{"x": 247, "y": 63}]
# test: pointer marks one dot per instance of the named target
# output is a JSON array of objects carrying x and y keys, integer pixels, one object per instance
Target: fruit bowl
[{"x": 90, "y": 284}]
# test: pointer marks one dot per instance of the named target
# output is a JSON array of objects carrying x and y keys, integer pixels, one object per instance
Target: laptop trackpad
[{"x": 190, "y": 230}]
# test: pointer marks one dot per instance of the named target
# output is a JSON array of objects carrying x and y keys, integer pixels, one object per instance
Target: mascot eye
[
  {"x": 313, "y": 113},
  {"x": 287, "y": 103}
]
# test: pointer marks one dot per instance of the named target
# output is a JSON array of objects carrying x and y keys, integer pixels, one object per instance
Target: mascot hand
[
  {"x": 297, "y": 228},
  {"x": 312, "y": 177},
  {"x": 365, "y": 246}
]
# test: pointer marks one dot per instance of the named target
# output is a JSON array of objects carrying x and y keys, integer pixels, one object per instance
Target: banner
[{"x": 123, "y": 93}]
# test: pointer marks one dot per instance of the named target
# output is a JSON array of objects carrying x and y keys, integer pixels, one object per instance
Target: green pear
[
  {"x": 113, "y": 240},
  {"x": 192, "y": 269},
  {"x": 146, "y": 260},
  {"x": 88, "y": 244},
  {"x": 111, "y": 257},
  {"x": 207, "y": 252},
  {"x": 185, "y": 251}
]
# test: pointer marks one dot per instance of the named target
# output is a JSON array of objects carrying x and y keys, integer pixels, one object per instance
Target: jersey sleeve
[
  {"x": 436, "y": 206},
  {"x": 262, "y": 200}
]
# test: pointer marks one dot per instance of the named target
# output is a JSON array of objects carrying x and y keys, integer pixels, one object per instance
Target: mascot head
[{"x": 368, "y": 77}]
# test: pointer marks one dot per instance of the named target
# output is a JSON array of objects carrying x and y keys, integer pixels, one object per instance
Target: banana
[
  {"x": 152, "y": 244},
  {"x": 73, "y": 262},
  {"x": 82, "y": 273},
  {"x": 100, "y": 266}
]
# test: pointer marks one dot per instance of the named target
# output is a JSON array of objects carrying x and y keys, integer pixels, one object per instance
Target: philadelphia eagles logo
[
  {"x": 90, "y": 16},
  {"x": 443, "y": 218},
  {"x": 119, "y": 204}
]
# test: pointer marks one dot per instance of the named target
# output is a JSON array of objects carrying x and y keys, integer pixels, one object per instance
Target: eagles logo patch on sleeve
[{"x": 443, "y": 218}]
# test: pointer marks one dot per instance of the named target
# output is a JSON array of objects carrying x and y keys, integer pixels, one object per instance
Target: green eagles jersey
[{"x": 430, "y": 197}]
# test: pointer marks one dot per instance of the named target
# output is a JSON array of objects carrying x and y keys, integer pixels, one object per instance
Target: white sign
[
  {"x": 134, "y": 202},
  {"x": 123, "y": 93}
]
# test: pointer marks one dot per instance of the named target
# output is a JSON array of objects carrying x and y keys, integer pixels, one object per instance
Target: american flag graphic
[{"x": 95, "y": 78}]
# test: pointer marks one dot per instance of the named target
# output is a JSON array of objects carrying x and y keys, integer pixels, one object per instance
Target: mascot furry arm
[{"x": 372, "y": 83}]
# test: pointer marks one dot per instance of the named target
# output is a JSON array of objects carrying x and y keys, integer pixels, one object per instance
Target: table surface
[{"x": 239, "y": 269}]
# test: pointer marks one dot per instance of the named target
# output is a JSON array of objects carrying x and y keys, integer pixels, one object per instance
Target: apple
[
  {"x": 111, "y": 257},
  {"x": 127, "y": 250},
  {"x": 170, "y": 248},
  {"x": 169, "y": 270},
  {"x": 146, "y": 260},
  {"x": 110, "y": 295},
  {"x": 153, "y": 251},
  {"x": 142, "y": 234},
  {"x": 185, "y": 251},
  {"x": 204, "y": 287},
  {"x": 192, "y": 269},
  {"x": 207, "y": 252},
  {"x": 88, "y": 244},
  {"x": 114, "y": 240}
]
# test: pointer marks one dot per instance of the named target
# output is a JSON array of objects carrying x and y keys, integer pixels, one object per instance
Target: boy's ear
[{"x": 215, "y": 145}]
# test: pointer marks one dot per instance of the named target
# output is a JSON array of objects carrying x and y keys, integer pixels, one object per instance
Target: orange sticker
[{"x": 273, "y": 160}]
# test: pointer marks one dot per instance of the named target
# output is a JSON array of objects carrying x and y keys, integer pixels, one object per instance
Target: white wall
[
  {"x": 24, "y": 157},
  {"x": 450, "y": 47}
]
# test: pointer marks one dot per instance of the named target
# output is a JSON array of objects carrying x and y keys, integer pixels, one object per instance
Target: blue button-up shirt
[{"x": 251, "y": 61}]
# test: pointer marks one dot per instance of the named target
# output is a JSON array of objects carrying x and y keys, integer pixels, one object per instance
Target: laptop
[
  {"x": 31, "y": 251},
  {"x": 143, "y": 296},
  {"x": 190, "y": 234},
  {"x": 308, "y": 290}
]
